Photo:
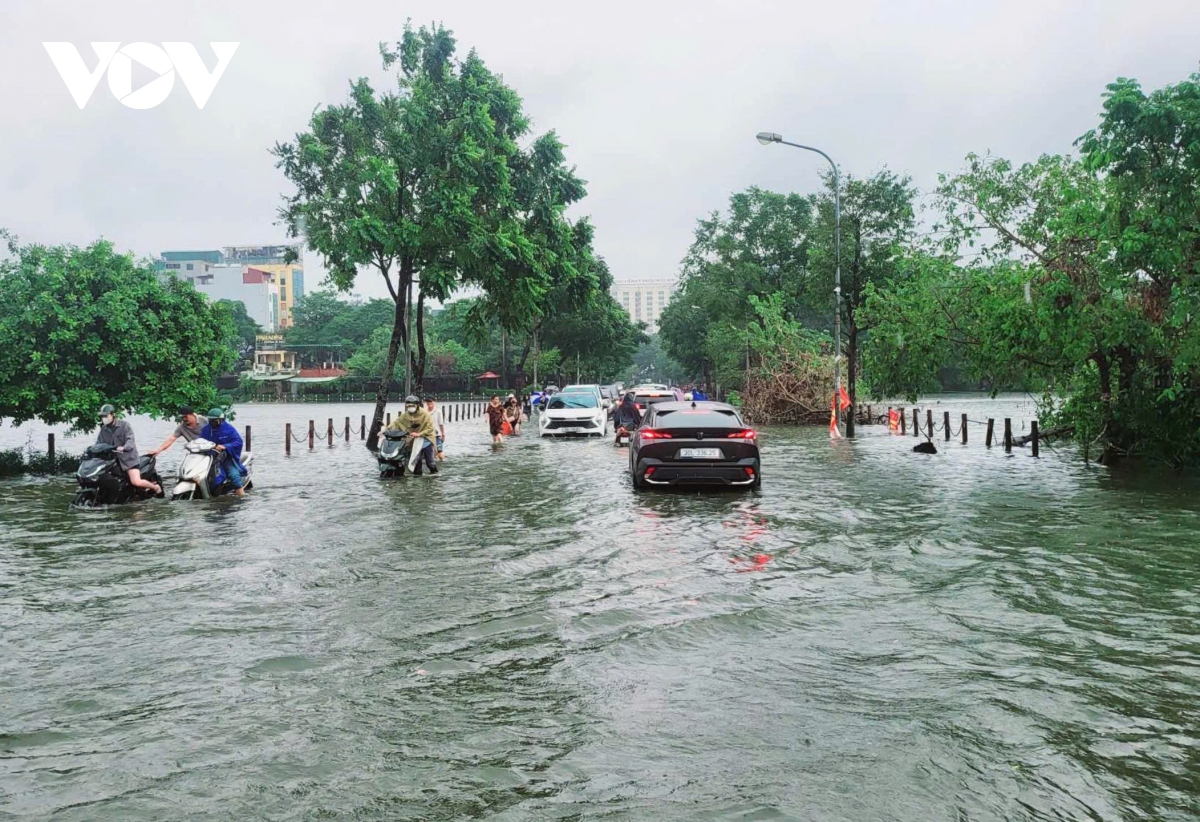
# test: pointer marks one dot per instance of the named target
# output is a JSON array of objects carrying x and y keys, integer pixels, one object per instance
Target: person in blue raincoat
[{"x": 229, "y": 441}]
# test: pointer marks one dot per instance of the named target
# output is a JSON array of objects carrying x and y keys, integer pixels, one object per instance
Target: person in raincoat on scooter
[{"x": 229, "y": 443}]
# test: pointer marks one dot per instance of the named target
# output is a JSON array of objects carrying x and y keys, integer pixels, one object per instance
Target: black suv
[{"x": 694, "y": 443}]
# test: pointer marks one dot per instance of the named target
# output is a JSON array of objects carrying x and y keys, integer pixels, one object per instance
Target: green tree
[
  {"x": 415, "y": 181},
  {"x": 651, "y": 363},
  {"x": 321, "y": 320},
  {"x": 80, "y": 327},
  {"x": 245, "y": 327},
  {"x": 878, "y": 228},
  {"x": 1082, "y": 279},
  {"x": 760, "y": 247}
]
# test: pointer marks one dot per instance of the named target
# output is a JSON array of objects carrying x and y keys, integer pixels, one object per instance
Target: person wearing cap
[
  {"x": 416, "y": 422},
  {"x": 190, "y": 426},
  {"x": 119, "y": 434},
  {"x": 229, "y": 442}
]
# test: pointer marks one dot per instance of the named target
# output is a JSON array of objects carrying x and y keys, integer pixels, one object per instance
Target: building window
[
  {"x": 283, "y": 280},
  {"x": 283, "y": 295},
  {"x": 173, "y": 266},
  {"x": 190, "y": 266},
  {"x": 662, "y": 297}
]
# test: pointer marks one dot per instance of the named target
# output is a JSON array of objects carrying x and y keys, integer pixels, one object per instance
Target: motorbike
[
  {"x": 202, "y": 472},
  {"x": 102, "y": 480},
  {"x": 624, "y": 435},
  {"x": 398, "y": 454}
]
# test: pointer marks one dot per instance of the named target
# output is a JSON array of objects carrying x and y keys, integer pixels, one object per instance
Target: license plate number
[
  {"x": 700, "y": 453},
  {"x": 570, "y": 430}
]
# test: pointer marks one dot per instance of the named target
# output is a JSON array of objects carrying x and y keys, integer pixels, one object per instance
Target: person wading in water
[{"x": 495, "y": 415}]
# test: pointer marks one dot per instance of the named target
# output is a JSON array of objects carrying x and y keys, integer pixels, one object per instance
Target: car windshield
[
  {"x": 573, "y": 401},
  {"x": 650, "y": 399}
]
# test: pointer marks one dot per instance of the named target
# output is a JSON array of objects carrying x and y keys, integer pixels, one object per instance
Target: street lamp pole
[{"x": 766, "y": 138}]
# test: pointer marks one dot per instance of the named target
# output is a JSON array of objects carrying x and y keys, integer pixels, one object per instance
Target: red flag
[
  {"x": 893, "y": 419},
  {"x": 843, "y": 397},
  {"x": 834, "y": 432}
]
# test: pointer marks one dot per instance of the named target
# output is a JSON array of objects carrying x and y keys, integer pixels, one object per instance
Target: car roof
[
  {"x": 587, "y": 386},
  {"x": 686, "y": 405}
]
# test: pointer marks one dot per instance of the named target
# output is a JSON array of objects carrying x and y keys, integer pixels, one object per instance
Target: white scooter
[{"x": 202, "y": 472}]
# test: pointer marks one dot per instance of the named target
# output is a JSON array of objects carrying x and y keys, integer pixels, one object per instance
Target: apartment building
[{"x": 644, "y": 300}]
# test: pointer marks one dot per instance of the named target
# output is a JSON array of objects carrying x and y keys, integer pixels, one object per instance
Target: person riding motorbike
[
  {"x": 416, "y": 422},
  {"x": 119, "y": 434},
  {"x": 229, "y": 443},
  {"x": 627, "y": 415}
]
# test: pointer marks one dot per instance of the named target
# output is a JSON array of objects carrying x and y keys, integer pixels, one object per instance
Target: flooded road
[{"x": 876, "y": 635}]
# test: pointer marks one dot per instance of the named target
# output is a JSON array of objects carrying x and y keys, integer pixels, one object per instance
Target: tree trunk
[
  {"x": 525, "y": 351},
  {"x": 851, "y": 374},
  {"x": 504, "y": 357},
  {"x": 394, "y": 345},
  {"x": 1106, "y": 415},
  {"x": 419, "y": 365}
]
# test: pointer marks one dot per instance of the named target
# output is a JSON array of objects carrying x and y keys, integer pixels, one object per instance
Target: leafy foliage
[
  {"x": 80, "y": 327},
  {"x": 1083, "y": 279},
  {"x": 245, "y": 326}
]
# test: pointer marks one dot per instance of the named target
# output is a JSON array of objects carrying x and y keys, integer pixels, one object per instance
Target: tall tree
[
  {"x": 412, "y": 182},
  {"x": 246, "y": 327},
  {"x": 1083, "y": 275},
  {"x": 878, "y": 226},
  {"x": 80, "y": 327},
  {"x": 760, "y": 247}
]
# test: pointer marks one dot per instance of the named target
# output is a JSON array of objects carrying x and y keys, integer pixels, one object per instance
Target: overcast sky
[{"x": 658, "y": 102}]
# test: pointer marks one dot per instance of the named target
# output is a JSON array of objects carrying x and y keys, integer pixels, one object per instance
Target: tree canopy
[
  {"x": 429, "y": 184},
  {"x": 1080, "y": 277},
  {"x": 80, "y": 327}
]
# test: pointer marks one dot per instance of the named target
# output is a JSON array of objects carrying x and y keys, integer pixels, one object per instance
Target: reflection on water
[{"x": 875, "y": 635}]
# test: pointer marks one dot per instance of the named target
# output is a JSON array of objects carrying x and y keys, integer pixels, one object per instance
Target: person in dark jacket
[
  {"x": 119, "y": 434},
  {"x": 229, "y": 442},
  {"x": 627, "y": 415}
]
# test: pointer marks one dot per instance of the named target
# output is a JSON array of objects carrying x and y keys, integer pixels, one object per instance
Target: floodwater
[{"x": 877, "y": 635}]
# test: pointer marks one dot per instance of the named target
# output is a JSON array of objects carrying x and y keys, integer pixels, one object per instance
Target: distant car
[
  {"x": 651, "y": 386},
  {"x": 701, "y": 443},
  {"x": 606, "y": 394},
  {"x": 645, "y": 397},
  {"x": 573, "y": 412}
]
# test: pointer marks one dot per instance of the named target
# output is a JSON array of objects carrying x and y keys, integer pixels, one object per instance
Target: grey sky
[{"x": 658, "y": 102}]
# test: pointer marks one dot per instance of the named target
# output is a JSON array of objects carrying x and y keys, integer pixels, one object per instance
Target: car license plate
[
  {"x": 700, "y": 453},
  {"x": 570, "y": 430}
]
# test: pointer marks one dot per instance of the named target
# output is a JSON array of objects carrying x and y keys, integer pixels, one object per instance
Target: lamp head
[{"x": 768, "y": 137}]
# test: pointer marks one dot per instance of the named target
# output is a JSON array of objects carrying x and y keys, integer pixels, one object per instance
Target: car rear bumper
[{"x": 678, "y": 472}]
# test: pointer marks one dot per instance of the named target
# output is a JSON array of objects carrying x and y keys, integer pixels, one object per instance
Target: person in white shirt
[{"x": 439, "y": 424}]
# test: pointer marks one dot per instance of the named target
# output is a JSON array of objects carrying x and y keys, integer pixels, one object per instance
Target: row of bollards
[
  {"x": 455, "y": 412},
  {"x": 989, "y": 437}
]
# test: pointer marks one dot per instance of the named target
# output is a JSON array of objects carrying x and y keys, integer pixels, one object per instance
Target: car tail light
[
  {"x": 650, "y": 470},
  {"x": 654, "y": 434},
  {"x": 749, "y": 472},
  {"x": 745, "y": 434}
]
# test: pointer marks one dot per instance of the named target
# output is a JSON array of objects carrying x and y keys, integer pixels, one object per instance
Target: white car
[
  {"x": 574, "y": 413},
  {"x": 587, "y": 389}
]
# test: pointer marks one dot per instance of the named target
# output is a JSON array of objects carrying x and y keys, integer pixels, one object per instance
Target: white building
[
  {"x": 644, "y": 300},
  {"x": 255, "y": 289}
]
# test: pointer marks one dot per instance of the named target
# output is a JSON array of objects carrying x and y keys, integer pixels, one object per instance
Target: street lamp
[{"x": 766, "y": 138}]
